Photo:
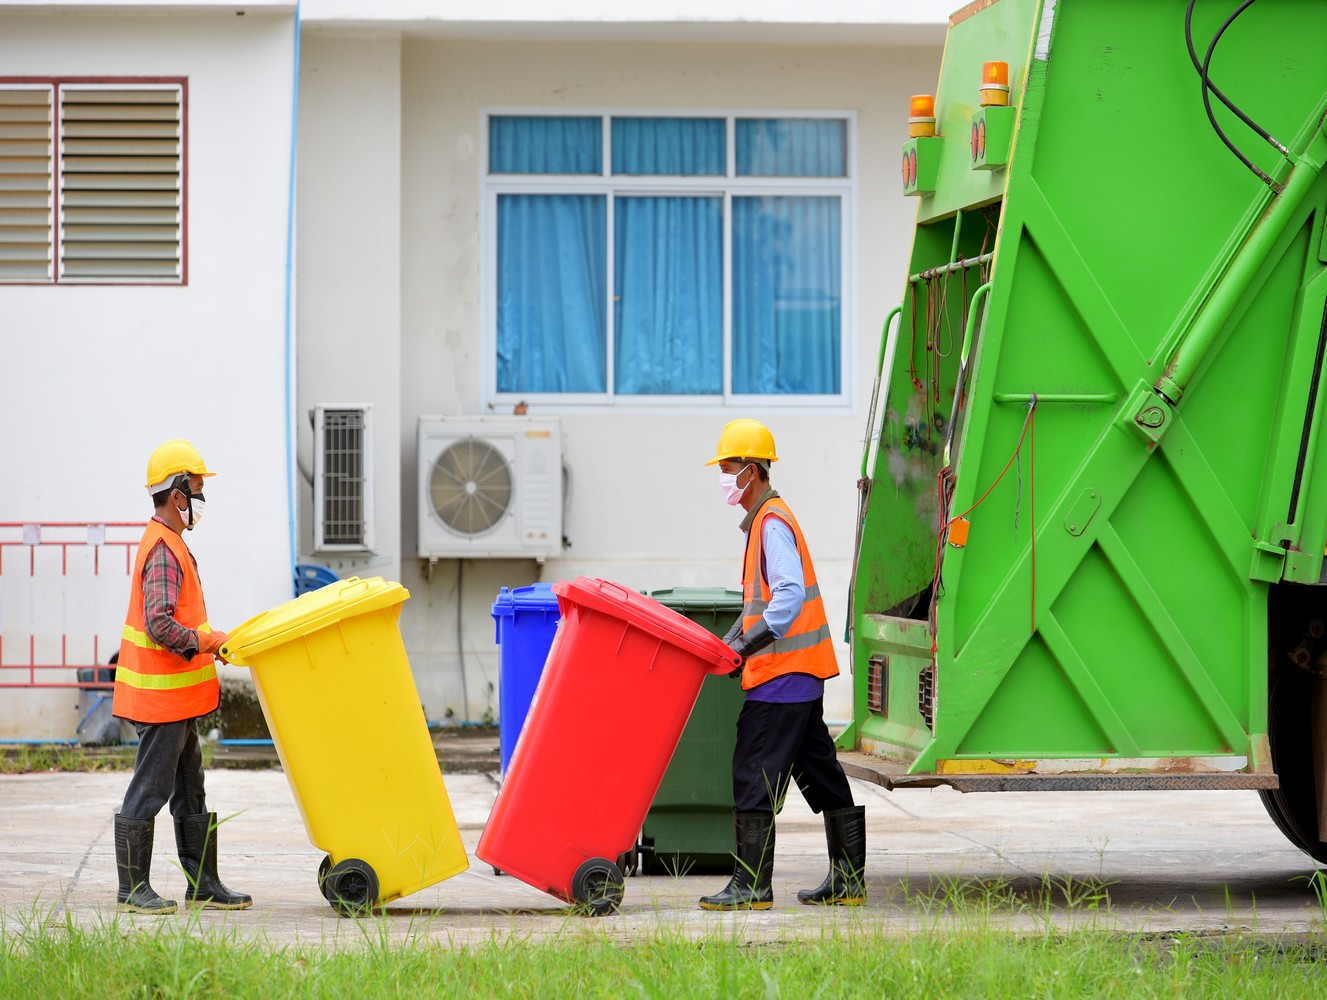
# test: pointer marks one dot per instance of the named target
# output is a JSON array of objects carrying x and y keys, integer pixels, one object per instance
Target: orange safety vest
[
  {"x": 152, "y": 684},
  {"x": 807, "y": 648}
]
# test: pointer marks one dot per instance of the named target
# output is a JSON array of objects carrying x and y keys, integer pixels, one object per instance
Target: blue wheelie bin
[{"x": 525, "y": 620}]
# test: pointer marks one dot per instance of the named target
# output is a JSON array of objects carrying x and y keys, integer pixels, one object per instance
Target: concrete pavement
[{"x": 1168, "y": 861}]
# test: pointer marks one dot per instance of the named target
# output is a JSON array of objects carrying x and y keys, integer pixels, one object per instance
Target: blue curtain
[
  {"x": 675, "y": 146},
  {"x": 529, "y": 144},
  {"x": 552, "y": 278},
  {"x": 668, "y": 299},
  {"x": 552, "y": 295},
  {"x": 791, "y": 147},
  {"x": 786, "y": 281}
]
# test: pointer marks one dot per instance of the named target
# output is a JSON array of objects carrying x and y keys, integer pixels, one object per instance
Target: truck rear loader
[{"x": 1093, "y": 496}]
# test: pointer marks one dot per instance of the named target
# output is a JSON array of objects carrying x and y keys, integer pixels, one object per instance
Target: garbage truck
[{"x": 1093, "y": 490}]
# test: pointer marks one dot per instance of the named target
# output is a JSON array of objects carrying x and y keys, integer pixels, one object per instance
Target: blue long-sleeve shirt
[
  {"x": 783, "y": 570},
  {"x": 781, "y": 564}
]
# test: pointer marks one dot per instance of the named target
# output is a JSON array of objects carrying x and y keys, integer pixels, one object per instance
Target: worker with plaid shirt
[{"x": 165, "y": 681}]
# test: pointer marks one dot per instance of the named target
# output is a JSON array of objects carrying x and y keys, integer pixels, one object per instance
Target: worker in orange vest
[
  {"x": 787, "y": 655},
  {"x": 165, "y": 680}
]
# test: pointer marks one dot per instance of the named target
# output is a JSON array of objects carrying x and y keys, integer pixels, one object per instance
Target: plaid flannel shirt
[{"x": 162, "y": 578}]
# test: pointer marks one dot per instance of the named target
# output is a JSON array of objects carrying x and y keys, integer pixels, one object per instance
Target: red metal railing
[{"x": 84, "y": 568}]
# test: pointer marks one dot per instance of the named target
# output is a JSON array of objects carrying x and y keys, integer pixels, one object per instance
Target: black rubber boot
[
  {"x": 751, "y": 887},
  {"x": 196, "y": 839},
  {"x": 133, "y": 860},
  {"x": 845, "y": 885}
]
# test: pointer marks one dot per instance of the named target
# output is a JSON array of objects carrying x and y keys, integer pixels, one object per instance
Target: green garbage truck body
[{"x": 1094, "y": 493}]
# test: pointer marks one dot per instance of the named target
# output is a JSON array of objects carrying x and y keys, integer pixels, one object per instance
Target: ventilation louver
[{"x": 343, "y": 486}]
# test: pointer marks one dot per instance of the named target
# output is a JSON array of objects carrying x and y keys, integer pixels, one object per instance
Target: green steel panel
[
  {"x": 1131, "y": 249},
  {"x": 1000, "y": 31}
]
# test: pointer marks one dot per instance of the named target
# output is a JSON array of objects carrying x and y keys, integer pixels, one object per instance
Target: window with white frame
[
  {"x": 92, "y": 181},
  {"x": 640, "y": 257}
]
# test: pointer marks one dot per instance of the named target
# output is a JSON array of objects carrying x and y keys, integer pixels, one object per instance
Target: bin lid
[
  {"x": 650, "y": 616},
  {"x": 706, "y": 598},
  {"x": 310, "y": 612},
  {"x": 536, "y": 597}
]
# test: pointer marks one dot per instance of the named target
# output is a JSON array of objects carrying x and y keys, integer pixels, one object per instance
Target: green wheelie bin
[{"x": 689, "y": 828}]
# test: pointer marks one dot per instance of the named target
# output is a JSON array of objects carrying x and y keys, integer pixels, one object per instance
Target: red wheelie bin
[{"x": 623, "y": 670}]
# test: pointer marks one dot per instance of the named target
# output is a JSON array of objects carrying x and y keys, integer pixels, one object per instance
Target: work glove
[
  {"x": 751, "y": 641},
  {"x": 734, "y": 632},
  {"x": 730, "y": 638}
]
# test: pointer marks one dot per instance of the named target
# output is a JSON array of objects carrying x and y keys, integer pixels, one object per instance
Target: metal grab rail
[
  {"x": 875, "y": 389},
  {"x": 107, "y": 540}
]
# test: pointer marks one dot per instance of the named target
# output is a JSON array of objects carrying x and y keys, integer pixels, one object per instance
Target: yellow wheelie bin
[{"x": 334, "y": 682}]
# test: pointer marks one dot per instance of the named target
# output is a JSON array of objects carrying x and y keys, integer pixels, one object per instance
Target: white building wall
[
  {"x": 644, "y": 510},
  {"x": 389, "y": 307},
  {"x": 838, "y": 21},
  {"x": 93, "y": 378},
  {"x": 349, "y": 209}
]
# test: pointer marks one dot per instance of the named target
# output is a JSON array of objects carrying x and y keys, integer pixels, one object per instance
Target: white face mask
[
  {"x": 196, "y": 504},
  {"x": 732, "y": 493}
]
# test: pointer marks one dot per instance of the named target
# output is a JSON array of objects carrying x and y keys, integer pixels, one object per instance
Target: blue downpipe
[{"x": 289, "y": 331}]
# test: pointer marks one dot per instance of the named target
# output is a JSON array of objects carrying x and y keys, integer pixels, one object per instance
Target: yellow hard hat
[
  {"x": 744, "y": 439},
  {"x": 171, "y": 459}
]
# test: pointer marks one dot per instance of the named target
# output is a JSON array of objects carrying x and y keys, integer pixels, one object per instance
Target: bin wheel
[
  {"x": 351, "y": 886},
  {"x": 324, "y": 867},
  {"x": 629, "y": 862},
  {"x": 597, "y": 887}
]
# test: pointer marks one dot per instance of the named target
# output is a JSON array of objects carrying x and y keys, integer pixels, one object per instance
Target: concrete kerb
[{"x": 1208, "y": 862}]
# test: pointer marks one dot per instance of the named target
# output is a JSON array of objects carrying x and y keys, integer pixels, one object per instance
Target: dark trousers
[
  {"x": 169, "y": 765},
  {"x": 778, "y": 742}
]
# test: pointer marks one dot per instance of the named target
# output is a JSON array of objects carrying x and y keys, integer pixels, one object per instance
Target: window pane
[
  {"x": 675, "y": 146},
  {"x": 791, "y": 147},
  {"x": 552, "y": 320},
  {"x": 527, "y": 144},
  {"x": 786, "y": 287},
  {"x": 668, "y": 262}
]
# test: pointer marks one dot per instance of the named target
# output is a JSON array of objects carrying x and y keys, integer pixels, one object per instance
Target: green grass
[
  {"x": 54, "y": 757},
  {"x": 43, "y": 958}
]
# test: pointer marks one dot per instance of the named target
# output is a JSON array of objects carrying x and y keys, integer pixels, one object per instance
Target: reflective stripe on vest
[
  {"x": 808, "y": 646},
  {"x": 152, "y": 684},
  {"x": 165, "y": 682},
  {"x": 753, "y": 608},
  {"x": 141, "y": 638}
]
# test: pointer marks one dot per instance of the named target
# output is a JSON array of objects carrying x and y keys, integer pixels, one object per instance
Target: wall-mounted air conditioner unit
[
  {"x": 489, "y": 487},
  {"x": 343, "y": 478}
]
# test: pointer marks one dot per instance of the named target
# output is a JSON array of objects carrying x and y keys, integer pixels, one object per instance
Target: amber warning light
[
  {"x": 994, "y": 84},
  {"x": 958, "y": 532},
  {"x": 921, "y": 115}
]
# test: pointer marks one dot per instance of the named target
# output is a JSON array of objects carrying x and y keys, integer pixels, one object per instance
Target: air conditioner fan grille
[{"x": 470, "y": 486}]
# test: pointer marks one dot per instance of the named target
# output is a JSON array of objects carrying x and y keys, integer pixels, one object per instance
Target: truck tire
[{"x": 1293, "y": 807}]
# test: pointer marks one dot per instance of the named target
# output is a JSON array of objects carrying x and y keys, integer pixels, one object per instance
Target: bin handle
[
  {"x": 235, "y": 655},
  {"x": 726, "y": 665},
  {"x": 621, "y": 593}
]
